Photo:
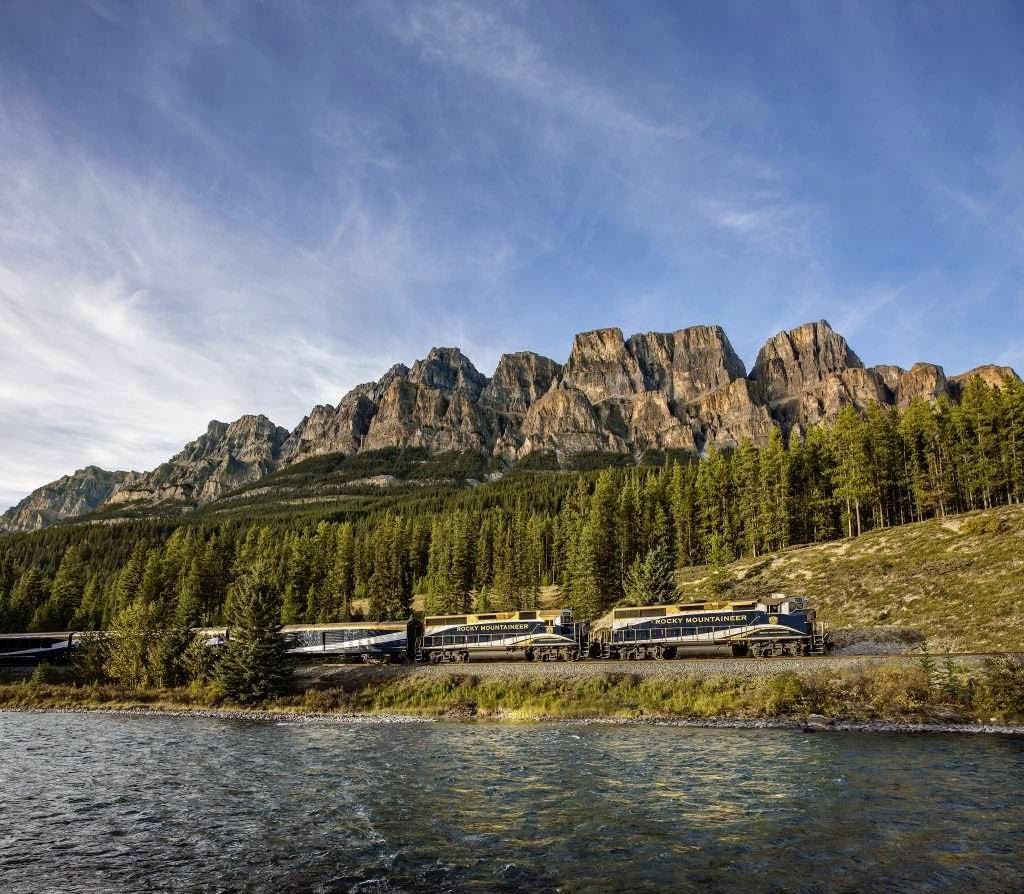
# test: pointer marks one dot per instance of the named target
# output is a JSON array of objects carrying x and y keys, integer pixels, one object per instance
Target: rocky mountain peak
[
  {"x": 686, "y": 363},
  {"x": 519, "y": 380},
  {"x": 601, "y": 366},
  {"x": 991, "y": 374},
  {"x": 922, "y": 380},
  {"x": 70, "y": 496},
  {"x": 448, "y": 369},
  {"x": 227, "y": 456},
  {"x": 683, "y": 390},
  {"x": 794, "y": 360}
]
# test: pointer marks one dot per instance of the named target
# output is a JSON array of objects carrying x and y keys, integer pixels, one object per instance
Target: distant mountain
[
  {"x": 685, "y": 390},
  {"x": 68, "y": 497}
]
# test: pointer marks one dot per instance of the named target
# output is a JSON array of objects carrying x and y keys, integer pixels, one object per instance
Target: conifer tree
[
  {"x": 254, "y": 666},
  {"x": 65, "y": 593}
]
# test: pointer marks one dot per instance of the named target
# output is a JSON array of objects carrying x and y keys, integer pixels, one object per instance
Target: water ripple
[{"x": 149, "y": 804}]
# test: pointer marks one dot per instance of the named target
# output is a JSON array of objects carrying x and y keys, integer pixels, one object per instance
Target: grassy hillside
[{"x": 959, "y": 580}]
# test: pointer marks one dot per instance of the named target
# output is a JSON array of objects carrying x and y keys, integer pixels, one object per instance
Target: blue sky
[{"x": 213, "y": 209}]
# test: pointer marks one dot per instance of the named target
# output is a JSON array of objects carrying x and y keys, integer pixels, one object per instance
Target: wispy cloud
[{"x": 208, "y": 209}]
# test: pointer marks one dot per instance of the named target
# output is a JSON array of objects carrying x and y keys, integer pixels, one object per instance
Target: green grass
[
  {"x": 946, "y": 692},
  {"x": 959, "y": 581}
]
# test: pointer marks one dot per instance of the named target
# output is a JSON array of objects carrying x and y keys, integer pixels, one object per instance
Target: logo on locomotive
[{"x": 492, "y": 628}]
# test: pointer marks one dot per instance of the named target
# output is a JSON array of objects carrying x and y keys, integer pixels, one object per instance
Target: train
[{"x": 770, "y": 627}]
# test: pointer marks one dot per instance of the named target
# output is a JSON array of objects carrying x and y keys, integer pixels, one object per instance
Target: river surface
[{"x": 109, "y": 804}]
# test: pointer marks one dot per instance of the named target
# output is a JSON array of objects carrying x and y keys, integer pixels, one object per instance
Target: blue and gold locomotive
[
  {"x": 769, "y": 627},
  {"x": 546, "y": 635}
]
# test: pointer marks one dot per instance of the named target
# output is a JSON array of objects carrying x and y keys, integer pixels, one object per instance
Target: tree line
[{"x": 603, "y": 537}]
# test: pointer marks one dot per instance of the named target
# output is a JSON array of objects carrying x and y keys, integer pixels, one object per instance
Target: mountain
[
  {"x": 68, "y": 497},
  {"x": 656, "y": 391}
]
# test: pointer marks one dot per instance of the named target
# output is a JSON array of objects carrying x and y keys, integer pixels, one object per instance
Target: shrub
[
  {"x": 47, "y": 673},
  {"x": 785, "y": 694},
  {"x": 1002, "y": 686}
]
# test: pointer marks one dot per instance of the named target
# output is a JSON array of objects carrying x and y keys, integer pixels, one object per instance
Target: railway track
[{"x": 678, "y": 667}]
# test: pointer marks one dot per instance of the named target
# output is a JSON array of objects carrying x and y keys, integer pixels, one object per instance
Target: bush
[
  {"x": 785, "y": 694},
  {"x": 1002, "y": 687},
  {"x": 89, "y": 658},
  {"x": 47, "y": 673}
]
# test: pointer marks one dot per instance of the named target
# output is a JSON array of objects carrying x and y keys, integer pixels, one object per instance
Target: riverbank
[
  {"x": 951, "y": 697},
  {"x": 807, "y": 725}
]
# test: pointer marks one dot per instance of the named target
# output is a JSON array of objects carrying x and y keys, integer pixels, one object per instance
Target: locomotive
[
  {"x": 547, "y": 635},
  {"x": 771, "y": 627}
]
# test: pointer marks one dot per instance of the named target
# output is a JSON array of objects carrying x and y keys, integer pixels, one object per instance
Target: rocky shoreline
[{"x": 815, "y": 723}]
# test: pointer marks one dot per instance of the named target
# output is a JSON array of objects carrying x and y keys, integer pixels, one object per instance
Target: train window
[
  {"x": 692, "y": 606},
  {"x": 486, "y": 617},
  {"x": 773, "y": 609},
  {"x": 527, "y": 616}
]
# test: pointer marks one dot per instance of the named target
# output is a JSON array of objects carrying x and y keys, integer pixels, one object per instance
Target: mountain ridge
[{"x": 685, "y": 390}]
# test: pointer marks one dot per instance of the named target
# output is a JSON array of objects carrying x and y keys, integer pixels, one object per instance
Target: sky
[{"x": 215, "y": 209}]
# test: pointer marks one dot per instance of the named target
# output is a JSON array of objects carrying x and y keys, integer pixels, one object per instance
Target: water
[{"x": 101, "y": 803}]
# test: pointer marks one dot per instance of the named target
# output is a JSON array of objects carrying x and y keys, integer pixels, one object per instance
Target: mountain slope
[
  {"x": 68, "y": 497},
  {"x": 957, "y": 580},
  {"x": 678, "y": 391}
]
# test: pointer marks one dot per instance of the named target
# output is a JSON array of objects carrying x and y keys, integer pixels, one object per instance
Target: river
[{"x": 147, "y": 803}]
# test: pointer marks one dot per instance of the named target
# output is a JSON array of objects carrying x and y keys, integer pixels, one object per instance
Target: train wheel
[
  {"x": 670, "y": 652},
  {"x": 528, "y": 655}
]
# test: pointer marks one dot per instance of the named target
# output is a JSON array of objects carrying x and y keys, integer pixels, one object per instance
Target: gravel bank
[
  {"x": 230, "y": 714},
  {"x": 699, "y": 667},
  {"x": 811, "y": 725}
]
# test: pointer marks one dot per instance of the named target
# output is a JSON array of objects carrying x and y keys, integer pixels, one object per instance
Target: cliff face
[
  {"x": 68, "y": 497},
  {"x": 219, "y": 461},
  {"x": 685, "y": 390}
]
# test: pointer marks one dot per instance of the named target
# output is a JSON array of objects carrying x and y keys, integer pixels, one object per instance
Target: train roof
[
  {"x": 540, "y": 614},
  {"x": 297, "y": 628}
]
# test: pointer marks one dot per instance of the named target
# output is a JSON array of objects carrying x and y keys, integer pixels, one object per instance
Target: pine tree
[
  {"x": 774, "y": 479},
  {"x": 852, "y": 470},
  {"x": 133, "y": 635},
  {"x": 254, "y": 666},
  {"x": 130, "y": 579},
  {"x": 719, "y": 557},
  {"x": 651, "y": 579},
  {"x": 28, "y": 595},
  {"x": 65, "y": 593}
]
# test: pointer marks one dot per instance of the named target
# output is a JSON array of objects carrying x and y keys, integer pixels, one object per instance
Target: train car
[
  {"x": 392, "y": 641},
  {"x": 546, "y": 635},
  {"x": 34, "y": 648},
  {"x": 770, "y": 627}
]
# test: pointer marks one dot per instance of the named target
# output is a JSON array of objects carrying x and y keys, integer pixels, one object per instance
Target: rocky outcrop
[
  {"x": 728, "y": 416},
  {"x": 435, "y": 406},
  {"x": 519, "y": 380},
  {"x": 226, "y": 457},
  {"x": 601, "y": 366},
  {"x": 989, "y": 373},
  {"x": 68, "y": 497},
  {"x": 564, "y": 420},
  {"x": 685, "y": 390},
  {"x": 793, "y": 362},
  {"x": 328, "y": 429},
  {"x": 923, "y": 380},
  {"x": 685, "y": 364},
  {"x": 823, "y": 401}
]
